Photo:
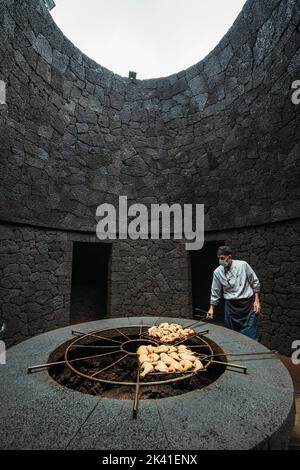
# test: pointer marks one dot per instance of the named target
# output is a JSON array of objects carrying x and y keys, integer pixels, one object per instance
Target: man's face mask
[{"x": 225, "y": 263}]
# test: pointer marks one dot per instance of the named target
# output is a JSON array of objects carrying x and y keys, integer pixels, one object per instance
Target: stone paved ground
[{"x": 294, "y": 370}]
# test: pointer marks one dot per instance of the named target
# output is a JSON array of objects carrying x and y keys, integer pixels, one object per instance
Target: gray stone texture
[
  {"x": 74, "y": 135},
  {"x": 146, "y": 278}
]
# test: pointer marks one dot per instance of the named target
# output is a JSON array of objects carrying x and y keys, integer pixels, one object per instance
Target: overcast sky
[{"x": 155, "y": 38}]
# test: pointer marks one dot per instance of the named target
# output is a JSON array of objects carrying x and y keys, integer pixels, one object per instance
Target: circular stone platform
[{"x": 238, "y": 411}]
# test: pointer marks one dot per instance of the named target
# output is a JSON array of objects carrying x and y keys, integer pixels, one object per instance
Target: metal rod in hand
[
  {"x": 193, "y": 324},
  {"x": 203, "y": 356},
  {"x": 200, "y": 310},
  {"x": 228, "y": 364},
  {"x": 205, "y": 332}
]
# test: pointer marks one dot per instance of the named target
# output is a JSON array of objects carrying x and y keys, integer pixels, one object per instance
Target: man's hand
[
  {"x": 257, "y": 307},
  {"x": 210, "y": 313}
]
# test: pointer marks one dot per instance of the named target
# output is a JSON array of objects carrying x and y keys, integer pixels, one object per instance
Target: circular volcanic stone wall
[{"x": 238, "y": 411}]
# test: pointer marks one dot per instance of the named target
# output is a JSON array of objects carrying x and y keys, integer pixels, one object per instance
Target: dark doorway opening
[
  {"x": 90, "y": 281},
  {"x": 203, "y": 264}
]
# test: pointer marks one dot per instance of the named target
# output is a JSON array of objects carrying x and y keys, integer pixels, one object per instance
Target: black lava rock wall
[{"x": 74, "y": 135}]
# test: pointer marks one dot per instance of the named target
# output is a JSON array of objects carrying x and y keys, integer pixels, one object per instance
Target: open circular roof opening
[{"x": 155, "y": 38}]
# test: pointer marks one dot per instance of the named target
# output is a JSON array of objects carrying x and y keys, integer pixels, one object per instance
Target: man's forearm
[
  {"x": 257, "y": 305},
  {"x": 211, "y": 312}
]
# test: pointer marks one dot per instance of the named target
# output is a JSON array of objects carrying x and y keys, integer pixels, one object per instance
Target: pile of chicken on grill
[
  {"x": 167, "y": 359},
  {"x": 168, "y": 333}
]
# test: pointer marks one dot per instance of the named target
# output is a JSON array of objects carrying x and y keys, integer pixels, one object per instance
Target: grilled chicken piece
[
  {"x": 162, "y": 349},
  {"x": 173, "y": 328},
  {"x": 176, "y": 366},
  {"x": 154, "y": 357},
  {"x": 170, "y": 338},
  {"x": 161, "y": 367},
  {"x": 186, "y": 365},
  {"x": 189, "y": 331},
  {"x": 163, "y": 325},
  {"x": 185, "y": 334},
  {"x": 166, "y": 359},
  {"x": 142, "y": 350},
  {"x": 175, "y": 356},
  {"x": 169, "y": 333},
  {"x": 182, "y": 348},
  {"x": 146, "y": 368},
  {"x": 144, "y": 358},
  {"x": 187, "y": 356},
  {"x": 198, "y": 365},
  {"x": 166, "y": 339}
]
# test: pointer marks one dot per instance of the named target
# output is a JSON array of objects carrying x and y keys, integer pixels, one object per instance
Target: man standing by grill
[{"x": 239, "y": 285}]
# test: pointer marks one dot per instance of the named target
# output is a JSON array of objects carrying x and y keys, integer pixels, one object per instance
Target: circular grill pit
[
  {"x": 235, "y": 410},
  {"x": 105, "y": 363}
]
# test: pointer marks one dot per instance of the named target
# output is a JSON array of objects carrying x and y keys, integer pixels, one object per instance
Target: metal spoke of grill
[
  {"x": 137, "y": 394},
  {"x": 51, "y": 364},
  {"x": 96, "y": 336},
  {"x": 227, "y": 364},
  {"x": 205, "y": 356},
  {"x": 122, "y": 334},
  {"x": 191, "y": 337},
  {"x": 111, "y": 365},
  {"x": 91, "y": 346}
]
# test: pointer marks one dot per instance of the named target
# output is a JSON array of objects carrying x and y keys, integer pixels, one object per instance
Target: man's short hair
[{"x": 224, "y": 250}]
